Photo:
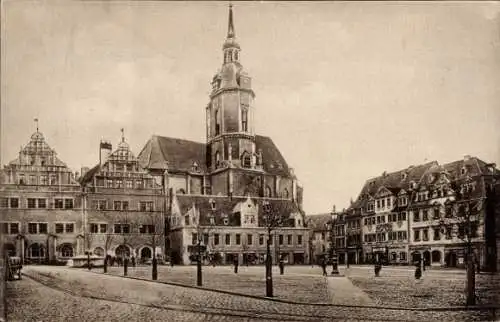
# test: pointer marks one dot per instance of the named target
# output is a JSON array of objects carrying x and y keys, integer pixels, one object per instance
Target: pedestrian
[
  {"x": 133, "y": 261},
  {"x": 282, "y": 267},
  {"x": 323, "y": 266},
  {"x": 236, "y": 265}
]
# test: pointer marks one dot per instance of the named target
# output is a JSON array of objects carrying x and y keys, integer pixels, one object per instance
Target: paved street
[{"x": 60, "y": 294}]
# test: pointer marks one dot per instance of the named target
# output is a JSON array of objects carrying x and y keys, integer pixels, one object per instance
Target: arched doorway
[
  {"x": 36, "y": 251},
  {"x": 10, "y": 249},
  {"x": 67, "y": 251},
  {"x": 427, "y": 257},
  {"x": 436, "y": 256},
  {"x": 122, "y": 251},
  {"x": 451, "y": 259},
  {"x": 146, "y": 253}
]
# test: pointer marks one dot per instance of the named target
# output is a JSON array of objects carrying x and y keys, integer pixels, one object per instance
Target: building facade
[
  {"x": 123, "y": 207},
  {"x": 430, "y": 212},
  {"x": 41, "y": 206}
]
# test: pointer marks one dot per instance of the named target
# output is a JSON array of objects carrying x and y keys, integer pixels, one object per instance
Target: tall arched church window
[
  {"x": 267, "y": 191},
  {"x": 217, "y": 123},
  {"x": 244, "y": 120},
  {"x": 217, "y": 159},
  {"x": 285, "y": 193}
]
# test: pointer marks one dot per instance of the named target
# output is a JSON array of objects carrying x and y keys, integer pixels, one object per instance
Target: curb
[{"x": 264, "y": 298}]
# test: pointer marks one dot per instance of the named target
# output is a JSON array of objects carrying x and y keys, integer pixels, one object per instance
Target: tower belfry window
[
  {"x": 244, "y": 120},
  {"x": 236, "y": 55},
  {"x": 217, "y": 123}
]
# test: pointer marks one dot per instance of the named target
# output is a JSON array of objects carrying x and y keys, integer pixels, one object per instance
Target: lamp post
[
  {"x": 199, "y": 278},
  {"x": 333, "y": 252}
]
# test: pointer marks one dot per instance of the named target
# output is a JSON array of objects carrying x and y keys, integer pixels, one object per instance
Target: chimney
[
  {"x": 466, "y": 157},
  {"x": 104, "y": 151},
  {"x": 384, "y": 173}
]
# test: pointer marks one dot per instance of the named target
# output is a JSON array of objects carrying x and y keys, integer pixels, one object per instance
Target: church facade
[{"x": 217, "y": 188}]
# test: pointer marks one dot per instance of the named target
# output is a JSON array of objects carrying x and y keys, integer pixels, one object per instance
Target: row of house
[{"x": 429, "y": 211}]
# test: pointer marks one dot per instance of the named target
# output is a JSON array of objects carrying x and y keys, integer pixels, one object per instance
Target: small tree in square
[{"x": 463, "y": 213}]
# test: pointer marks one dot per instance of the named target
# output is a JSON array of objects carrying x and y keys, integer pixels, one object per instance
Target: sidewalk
[{"x": 342, "y": 291}]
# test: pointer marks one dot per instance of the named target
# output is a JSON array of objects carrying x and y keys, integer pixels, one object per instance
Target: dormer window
[{"x": 403, "y": 176}]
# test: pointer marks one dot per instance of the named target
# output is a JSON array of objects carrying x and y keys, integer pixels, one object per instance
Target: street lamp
[{"x": 333, "y": 251}]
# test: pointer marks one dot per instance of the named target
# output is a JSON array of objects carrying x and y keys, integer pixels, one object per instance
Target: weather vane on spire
[
  {"x": 230, "y": 29},
  {"x": 36, "y": 121},
  {"x": 123, "y": 134}
]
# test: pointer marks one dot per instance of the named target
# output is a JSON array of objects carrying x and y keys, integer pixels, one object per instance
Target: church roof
[{"x": 162, "y": 152}]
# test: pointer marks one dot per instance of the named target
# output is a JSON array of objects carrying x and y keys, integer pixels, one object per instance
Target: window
[
  {"x": 299, "y": 239},
  {"x": 194, "y": 239},
  {"x": 417, "y": 235},
  {"x": 22, "y": 180},
  {"x": 147, "y": 229},
  {"x": 238, "y": 239},
  {"x": 244, "y": 120},
  {"x": 32, "y": 179},
  {"x": 382, "y": 203},
  {"x": 4, "y": 202},
  {"x": 58, "y": 203},
  {"x": 53, "y": 180},
  {"x": 14, "y": 202},
  {"x": 449, "y": 212},
  {"x": 44, "y": 180},
  {"x": 437, "y": 234},
  {"x": 146, "y": 206},
  {"x": 94, "y": 228},
  {"x": 389, "y": 202},
  {"x": 261, "y": 239},
  {"x": 217, "y": 123},
  {"x": 31, "y": 203},
  {"x": 228, "y": 239},
  {"x": 289, "y": 239},
  {"x": 394, "y": 256},
  {"x": 59, "y": 228},
  {"x": 186, "y": 220},
  {"x": 281, "y": 239},
  {"x": 216, "y": 239},
  {"x": 378, "y": 204},
  {"x": 426, "y": 235},
  {"x": 247, "y": 161},
  {"x": 118, "y": 183},
  {"x": 370, "y": 206},
  {"x": 125, "y": 205},
  {"x": 117, "y": 205},
  {"x": 122, "y": 228},
  {"x": 425, "y": 215},
  {"x": 205, "y": 239},
  {"x": 42, "y": 203},
  {"x": 402, "y": 256},
  {"x": 14, "y": 228},
  {"x": 129, "y": 184},
  {"x": 249, "y": 239},
  {"x": 67, "y": 251},
  {"x": 416, "y": 216}
]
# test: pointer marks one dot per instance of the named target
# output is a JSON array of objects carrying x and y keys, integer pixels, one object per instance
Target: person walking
[
  {"x": 133, "y": 261},
  {"x": 323, "y": 266},
  {"x": 235, "y": 261},
  {"x": 282, "y": 267}
]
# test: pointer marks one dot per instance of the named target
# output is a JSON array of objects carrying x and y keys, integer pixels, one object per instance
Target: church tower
[{"x": 230, "y": 113}]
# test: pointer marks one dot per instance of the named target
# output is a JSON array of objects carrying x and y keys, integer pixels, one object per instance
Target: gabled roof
[
  {"x": 89, "y": 175},
  {"x": 162, "y": 152},
  {"x": 318, "y": 222},
  {"x": 225, "y": 208},
  {"x": 179, "y": 155}
]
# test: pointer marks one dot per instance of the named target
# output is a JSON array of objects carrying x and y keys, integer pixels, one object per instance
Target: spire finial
[
  {"x": 123, "y": 134},
  {"x": 230, "y": 29},
  {"x": 36, "y": 121}
]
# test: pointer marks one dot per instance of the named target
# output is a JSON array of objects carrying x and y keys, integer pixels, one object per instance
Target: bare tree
[
  {"x": 461, "y": 218},
  {"x": 125, "y": 234},
  {"x": 155, "y": 229}
]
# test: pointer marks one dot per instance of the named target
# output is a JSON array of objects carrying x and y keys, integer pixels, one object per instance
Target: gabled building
[
  {"x": 235, "y": 170},
  {"x": 123, "y": 207},
  {"x": 40, "y": 204},
  {"x": 416, "y": 213}
]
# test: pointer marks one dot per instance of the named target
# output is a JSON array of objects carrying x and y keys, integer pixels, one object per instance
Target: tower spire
[
  {"x": 123, "y": 134},
  {"x": 230, "y": 28}
]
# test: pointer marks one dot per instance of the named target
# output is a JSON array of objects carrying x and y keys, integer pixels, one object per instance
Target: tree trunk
[
  {"x": 155, "y": 268},
  {"x": 105, "y": 264},
  {"x": 471, "y": 278}
]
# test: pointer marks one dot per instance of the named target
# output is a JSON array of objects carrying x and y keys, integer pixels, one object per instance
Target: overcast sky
[{"x": 346, "y": 90}]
